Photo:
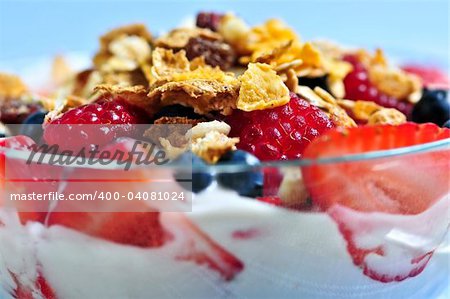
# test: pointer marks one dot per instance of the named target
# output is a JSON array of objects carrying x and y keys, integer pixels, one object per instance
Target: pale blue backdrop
[{"x": 38, "y": 28}]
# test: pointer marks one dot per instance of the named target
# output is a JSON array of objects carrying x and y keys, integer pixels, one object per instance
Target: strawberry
[
  {"x": 17, "y": 169},
  {"x": 196, "y": 246},
  {"x": 372, "y": 197},
  {"x": 141, "y": 229},
  {"x": 41, "y": 289},
  {"x": 144, "y": 228}
]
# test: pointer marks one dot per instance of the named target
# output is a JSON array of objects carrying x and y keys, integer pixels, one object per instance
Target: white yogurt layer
[{"x": 287, "y": 254}]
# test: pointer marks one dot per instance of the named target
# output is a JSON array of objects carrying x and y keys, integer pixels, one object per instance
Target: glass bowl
[{"x": 219, "y": 244}]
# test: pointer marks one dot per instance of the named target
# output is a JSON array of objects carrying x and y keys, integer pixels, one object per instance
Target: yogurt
[{"x": 285, "y": 253}]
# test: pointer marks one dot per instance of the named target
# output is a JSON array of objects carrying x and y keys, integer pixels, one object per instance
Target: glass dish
[{"x": 232, "y": 246}]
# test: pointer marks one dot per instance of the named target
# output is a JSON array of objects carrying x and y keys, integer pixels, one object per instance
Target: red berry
[
  {"x": 359, "y": 87},
  {"x": 368, "y": 199},
  {"x": 280, "y": 133},
  {"x": 112, "y": 119},
  {"x": 208, "y": 20},
  {"x": 15, "y": 111},
  {"x": 431, "y": 77}
]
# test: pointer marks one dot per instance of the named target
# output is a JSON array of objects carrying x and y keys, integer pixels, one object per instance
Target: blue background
[{"x": 42, "y": 28}]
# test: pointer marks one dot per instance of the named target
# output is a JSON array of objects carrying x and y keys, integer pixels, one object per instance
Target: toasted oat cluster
[{"x": 260, "y": 88}]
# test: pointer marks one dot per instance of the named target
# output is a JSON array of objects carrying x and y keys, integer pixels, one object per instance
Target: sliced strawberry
[
  {"x": 379, "y": 185},
  {"x": 145, "y": 227},
  {"x": 196, "y": 246},
  {"x": 41, "y": 289},
  {"x": 141, "y": 229},
  {"x": 371, "y": 198},
  {"x": 17, "y": 142},
  {"x": 16, "y": 168},
  {"x": 16, "y": 175},
  {"x": 392, "y": 247}
]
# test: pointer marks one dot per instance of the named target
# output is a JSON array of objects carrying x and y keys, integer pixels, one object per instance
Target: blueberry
[
  {"x": 194, "y": 179},
  {"x": 434, "y": 106},
  {"x": 31, "y": 126},
  {"x": 246, "y": 183},
  {"x": 313, "y": 82},
  {"x": 447, "y": 124}
]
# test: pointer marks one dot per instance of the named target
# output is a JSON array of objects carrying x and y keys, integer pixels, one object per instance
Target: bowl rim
[{"x": 439, "y": 145}]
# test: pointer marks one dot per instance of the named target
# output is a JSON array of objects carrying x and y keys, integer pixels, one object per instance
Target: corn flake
[
  {"x": 261, "y": 88},
  {"x": 204, "y": 95},
  {"x": 11, "y": 87},
  {"x": 176, "y": 81},
  {"x": 166, "y": 63},
  {"x": 136, "y": 95}
]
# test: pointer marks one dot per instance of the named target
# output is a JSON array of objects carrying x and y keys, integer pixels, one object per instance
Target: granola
[
  {"x": 11, "y": 87},
  {"x": 373, "y": 113},
  {"x": 136, "y": 95},
  {"x": 128, "y": 41},
  {"x": 204, "y": 88},
  {"x": 213, "y": 146},
  {"x": 327, "y": 103},
  {"x": 177, "y": 39},
  {"x": 261, "y": 88},
  {"x": 390, "y": 80}
]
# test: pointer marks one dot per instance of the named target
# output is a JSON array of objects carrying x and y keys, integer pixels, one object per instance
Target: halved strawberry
[
  {"x": 41, "y": 289},
  {"x": 371, "y": 198},
  {"x": 142, "y": 225},
  {"x": 16, "y": 168},
  {"x": 196, "y": 246},
  {"x": 126, "y": 222},
  {"x": 141, "y": 229}
]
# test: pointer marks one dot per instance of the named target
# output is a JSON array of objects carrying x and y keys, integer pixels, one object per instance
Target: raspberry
[
  {"x": 112, "y": 119},
  {"x": 280, "y": 133},
  {"x": 208, "y": 20},
  {"x": 216, "y": 53},
  {"x": 358, "y": 87}
]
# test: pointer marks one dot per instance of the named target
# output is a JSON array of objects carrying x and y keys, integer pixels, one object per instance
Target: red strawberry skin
[
  {"x": 385, "y": 246},
  {"x": 280, "y": 133},
  {"x": 400, "y": 189},
  {"x": 147, "y": 228},
  {"x": 93, "y": 124},
  {"x": 371, "y": 199},
  {"x": 18, "y": 169},
  {"x": 141, "y": 229}
]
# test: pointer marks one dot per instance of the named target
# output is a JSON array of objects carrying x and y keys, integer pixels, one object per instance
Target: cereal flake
[{"x": 261, "y": 88}]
